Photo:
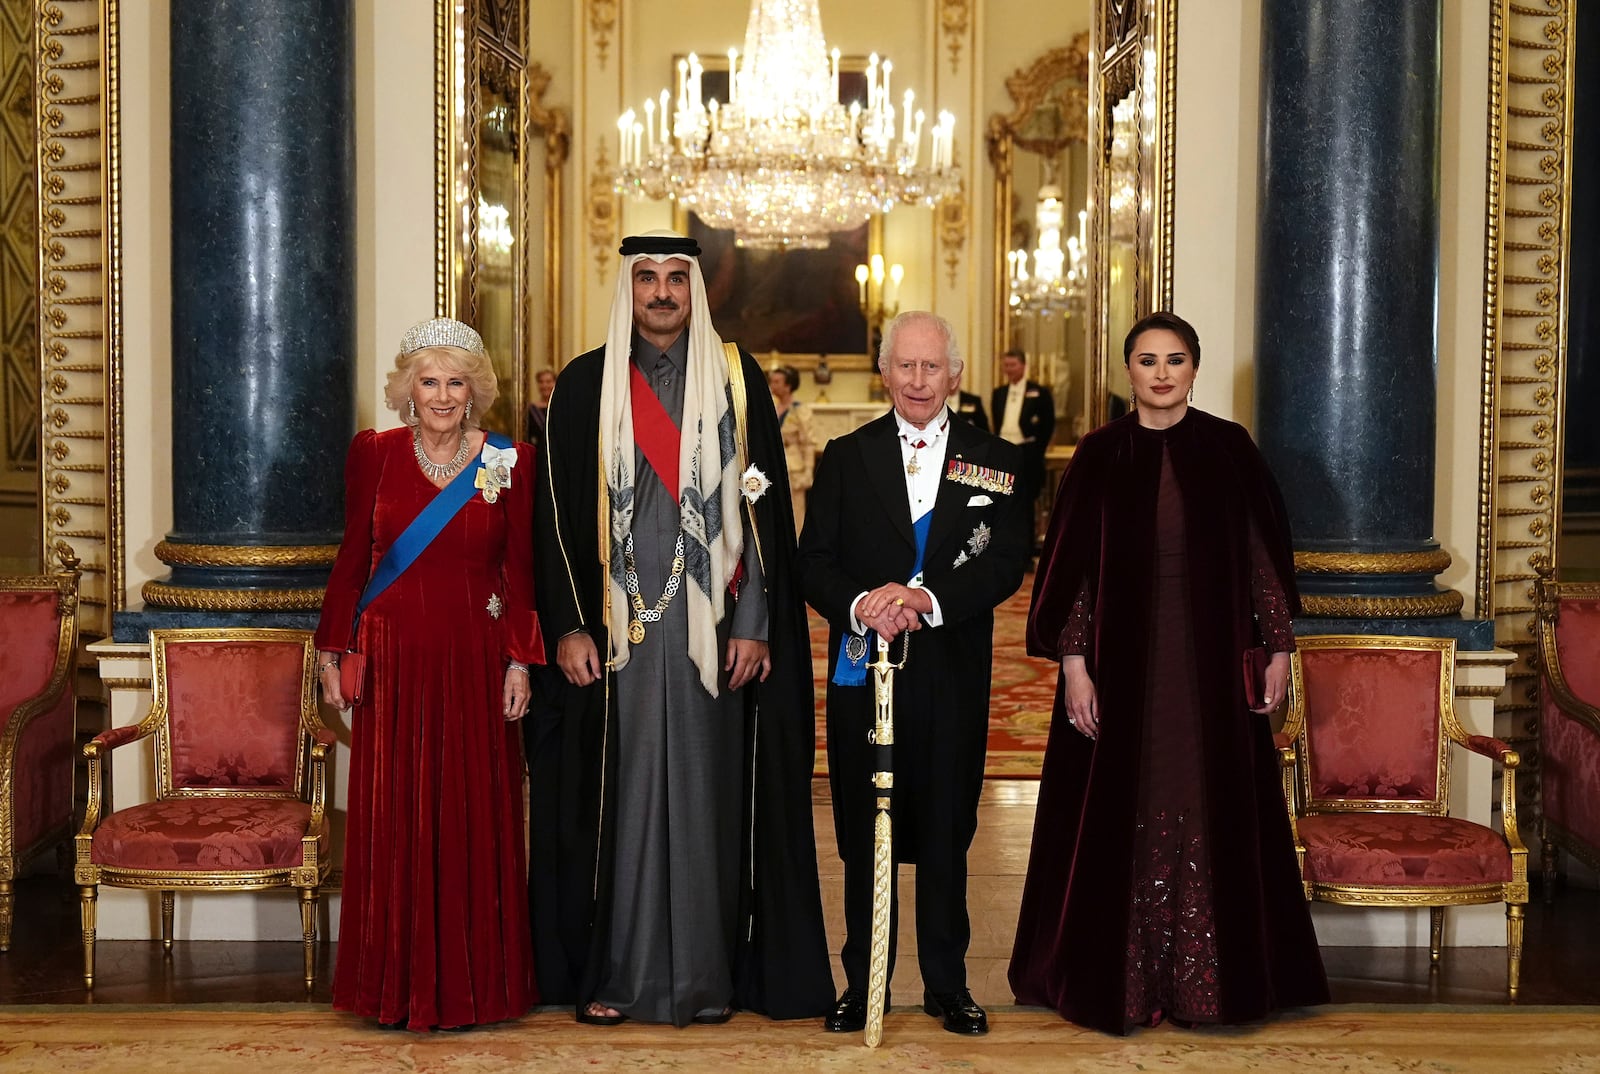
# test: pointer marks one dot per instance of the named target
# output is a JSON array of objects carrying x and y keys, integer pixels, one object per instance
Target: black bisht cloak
[
  {"x": 781, "y": 964},
  {"x": 1072, "y": 935}
]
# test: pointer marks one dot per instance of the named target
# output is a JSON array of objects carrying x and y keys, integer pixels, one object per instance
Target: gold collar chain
[{"x": 641, "y": 614}]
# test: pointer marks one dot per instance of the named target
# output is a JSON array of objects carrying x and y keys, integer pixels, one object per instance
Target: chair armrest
[
  {"x": 116, "y": 736},
  {"x": 1492, "y": 748},
  {"x": 325, "y": 737}
]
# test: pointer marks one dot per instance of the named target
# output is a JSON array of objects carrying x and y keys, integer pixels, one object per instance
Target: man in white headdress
[{"x": 673, "y": 872}]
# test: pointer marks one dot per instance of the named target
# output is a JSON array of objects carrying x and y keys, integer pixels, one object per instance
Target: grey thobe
[{"x": 674, "y": 916}]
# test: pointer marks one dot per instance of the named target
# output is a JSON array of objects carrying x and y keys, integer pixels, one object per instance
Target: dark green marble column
[
  {"x": 1346, "y": 300},
  {"x": 263, "y": 308}
]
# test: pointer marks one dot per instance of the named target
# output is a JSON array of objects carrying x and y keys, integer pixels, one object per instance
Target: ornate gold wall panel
[
  {"x": 1525, "y": 317},
  {"x": 80, "y": 278}
]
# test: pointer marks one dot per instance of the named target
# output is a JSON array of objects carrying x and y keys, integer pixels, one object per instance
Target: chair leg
[
  {"x": 1514, "y": 922},
  {"x": 167, "y": 898},
  {"x": 1551, "y": 856},
  {"x": 86, "y": 897},
  {"x": 308, "y": 929},
  {"x": 1435, "y": 935},
  {"x": 8, "y": 897}
]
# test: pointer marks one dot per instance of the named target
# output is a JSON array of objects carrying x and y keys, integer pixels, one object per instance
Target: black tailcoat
[{"x": 858, "y": 536}]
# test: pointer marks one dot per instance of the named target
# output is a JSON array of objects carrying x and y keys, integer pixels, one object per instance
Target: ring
[{"x": 899, "y": 602}]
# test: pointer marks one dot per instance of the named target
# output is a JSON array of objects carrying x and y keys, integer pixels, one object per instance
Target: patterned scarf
[{"x": 708, "y": 501}]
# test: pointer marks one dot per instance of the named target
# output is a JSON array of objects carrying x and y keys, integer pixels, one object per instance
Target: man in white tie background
[{"x": 916, "y": 524}]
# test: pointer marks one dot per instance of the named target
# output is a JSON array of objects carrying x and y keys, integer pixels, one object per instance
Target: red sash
[{"x": 654, "y": 431}]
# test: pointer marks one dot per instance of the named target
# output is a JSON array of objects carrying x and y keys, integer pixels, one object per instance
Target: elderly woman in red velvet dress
[
  {"x": 433, "y": 931},
  {"x": 1162, "y": 881}
]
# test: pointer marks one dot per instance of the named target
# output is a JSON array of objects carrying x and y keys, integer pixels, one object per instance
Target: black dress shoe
[
  {"x": 849, "y": 1014},
  {"x": 960, "y": 1013},
  {"x": 713, "y": 1018}
]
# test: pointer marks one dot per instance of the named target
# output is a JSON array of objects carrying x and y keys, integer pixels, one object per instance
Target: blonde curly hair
[{"x": 476, "y": 369}]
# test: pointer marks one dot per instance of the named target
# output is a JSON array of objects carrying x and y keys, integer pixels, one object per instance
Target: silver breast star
[{"x": 494, "y": 606}]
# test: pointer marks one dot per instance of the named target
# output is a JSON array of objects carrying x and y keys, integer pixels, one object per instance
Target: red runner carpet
[{"x": 1021, "y": 693}]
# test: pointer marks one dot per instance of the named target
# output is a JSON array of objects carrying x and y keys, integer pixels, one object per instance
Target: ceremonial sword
[{"x": 882, "y": 738}]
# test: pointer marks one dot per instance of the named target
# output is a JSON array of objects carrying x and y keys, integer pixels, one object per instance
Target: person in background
[
  {"x": 968, "y": 406},
  {"x": 1162, "y": 881},
  {"x": 799, "y": 444},
  {"x": 545, "y": 381},
  {"x": 1024, "y": 414}
]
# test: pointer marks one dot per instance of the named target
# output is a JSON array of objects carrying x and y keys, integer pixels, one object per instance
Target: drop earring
[
  {"x": 468, "y": 415},
  {"x": 1191, "y": 394},
  {"x": 413, "y": 411}
]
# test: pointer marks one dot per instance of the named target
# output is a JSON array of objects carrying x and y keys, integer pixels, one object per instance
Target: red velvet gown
[
  {"x": 1162, "y": 875},
  {"x": 434, "y": 925}
]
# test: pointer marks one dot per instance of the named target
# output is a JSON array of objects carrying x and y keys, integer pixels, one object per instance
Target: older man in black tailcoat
[{"x": 916, "y": 525}]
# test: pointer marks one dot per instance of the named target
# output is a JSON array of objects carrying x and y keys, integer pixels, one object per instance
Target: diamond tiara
[{"x": 441, "y": 332}]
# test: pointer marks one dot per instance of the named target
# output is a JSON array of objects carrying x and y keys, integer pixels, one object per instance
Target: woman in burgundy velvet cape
[{"x": 1162, "y": 880}]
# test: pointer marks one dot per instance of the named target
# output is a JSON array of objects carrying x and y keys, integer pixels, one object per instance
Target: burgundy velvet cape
[
  {"x": 1072, "y": 935},
  {"x": 781, "y": 965}
]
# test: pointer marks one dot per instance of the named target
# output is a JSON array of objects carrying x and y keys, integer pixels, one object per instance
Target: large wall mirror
[
  {"x": 1041, "y": 271},
  {"x": 501, "y": 155},
  {"x": 1132, "y": 75}
]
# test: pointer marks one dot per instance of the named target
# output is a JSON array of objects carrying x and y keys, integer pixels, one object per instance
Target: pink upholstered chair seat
[
  {"x": 203, "y": 834},
  {"x": 1402, "y": 850}
]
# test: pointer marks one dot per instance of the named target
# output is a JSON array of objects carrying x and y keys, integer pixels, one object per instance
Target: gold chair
[
  {"x": 1370, "y": 723},
  {"x": 38, "y": 718},
  {"x": 1568, "y": 618},
  {"x": 235, "y": 721}
]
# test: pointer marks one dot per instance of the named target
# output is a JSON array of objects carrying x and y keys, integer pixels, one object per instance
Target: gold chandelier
[{"x": 781, "y": 162}]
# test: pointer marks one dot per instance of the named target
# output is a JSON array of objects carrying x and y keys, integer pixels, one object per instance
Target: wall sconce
[{"x": 879, "y": 303}]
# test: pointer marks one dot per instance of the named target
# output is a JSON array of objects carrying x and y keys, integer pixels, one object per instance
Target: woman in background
[{"x": 799, "y": 448}]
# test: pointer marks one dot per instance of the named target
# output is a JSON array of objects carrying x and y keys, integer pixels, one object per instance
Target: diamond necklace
[{"x": 440, "y": 471}]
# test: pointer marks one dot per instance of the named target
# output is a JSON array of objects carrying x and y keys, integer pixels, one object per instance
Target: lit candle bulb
[
  {"x": 733, "y": 76},
  {"x": 683, "y": 84},
  {"x": 624, "y": 125},
  {"x": 650, "y": 122},
  {"x": 666, "y": 128},
  {"x": 872, "y": 81},
  {"x": 897, "y": 273},
  {"x": 861, "y": 284},
  {"x": 887, "y": 67},
  {"x": 905, "y": 118},
  {"x": 877, "y": 269}
]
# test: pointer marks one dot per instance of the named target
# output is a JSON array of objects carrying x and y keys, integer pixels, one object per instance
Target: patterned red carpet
[{"x": 1019, "y": 701}]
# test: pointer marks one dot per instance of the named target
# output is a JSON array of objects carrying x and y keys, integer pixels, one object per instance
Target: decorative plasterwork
[
  {"x": 80, "y": 296},
  {"x": 953, "y": 226},
  {"x": 954, "y": 19},
  {"x": 602, "y": 24},
  {"x": 1525, "y": 315},
  {"x": 601, "y": 211}
]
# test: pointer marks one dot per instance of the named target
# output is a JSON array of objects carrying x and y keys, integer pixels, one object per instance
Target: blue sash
[
  {"x": 426, "y": 526},
  {"x": 848, "y": 672}
]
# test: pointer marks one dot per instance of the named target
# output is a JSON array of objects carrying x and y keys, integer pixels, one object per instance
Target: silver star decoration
[
  {"x": 960, "y": 559},
  {"x": 979, "y": 539},
  {"x": 495, "y": 604}
]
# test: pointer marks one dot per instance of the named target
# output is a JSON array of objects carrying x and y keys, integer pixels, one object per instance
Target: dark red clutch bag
[
  {"x": 1255, "y": 676},
  {"x": 352, "y": 677}
]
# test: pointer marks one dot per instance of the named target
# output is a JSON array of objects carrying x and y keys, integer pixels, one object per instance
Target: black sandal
[
  {"x": 590, "y": 1018},
  {"x": 713, "y": 1018}
]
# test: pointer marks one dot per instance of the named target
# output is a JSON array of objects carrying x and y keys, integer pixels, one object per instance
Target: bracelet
[
  {"x": 330, "y": 664},
  {"x": 513, "y": 665}
]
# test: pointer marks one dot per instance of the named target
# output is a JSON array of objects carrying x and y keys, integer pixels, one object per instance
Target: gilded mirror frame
[
  {"x": 1049, "y": 114},
  {"x": 481, "y": 55},
  {"x": 1133, "y": 61},
  {"x": 78, "y": 198}
]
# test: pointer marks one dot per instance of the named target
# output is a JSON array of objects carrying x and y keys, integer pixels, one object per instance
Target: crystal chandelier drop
[
  {"x": 1056, "y": 284},
  {"x": 781, "y": 162}
]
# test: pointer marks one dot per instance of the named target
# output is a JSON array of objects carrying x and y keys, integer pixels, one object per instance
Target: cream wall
[
  {"x": 394, "y": 100},
  {"x": 1218, "y": 110}
]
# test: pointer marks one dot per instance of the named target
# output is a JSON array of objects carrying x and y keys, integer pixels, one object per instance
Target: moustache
[{"x": 662, "y": 304}]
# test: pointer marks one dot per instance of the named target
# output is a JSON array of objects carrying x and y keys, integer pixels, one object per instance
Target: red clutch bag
[
  {"x": 353, "y": 677},
  {"x": 1255, "y": 676}
]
